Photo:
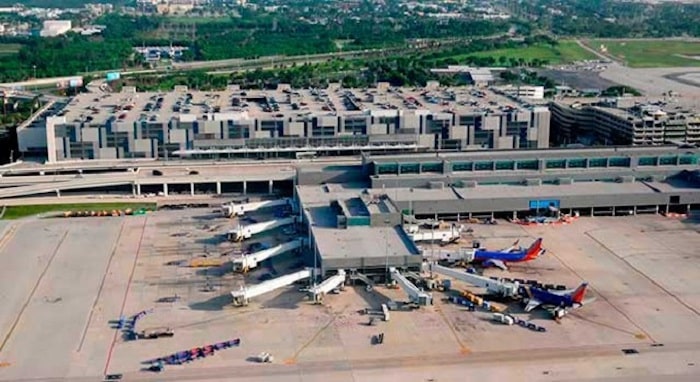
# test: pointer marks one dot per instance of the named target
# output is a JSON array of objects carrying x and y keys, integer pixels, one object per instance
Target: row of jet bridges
[{"x": 405, "y": 279}]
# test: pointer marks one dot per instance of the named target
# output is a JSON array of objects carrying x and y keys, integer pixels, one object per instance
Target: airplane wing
[
  {"x": 512, "y": 248},
  {"x": 496, "y": 263},
  {"x": 532, "y": 304},
  {"x": 561, "y": 292}
]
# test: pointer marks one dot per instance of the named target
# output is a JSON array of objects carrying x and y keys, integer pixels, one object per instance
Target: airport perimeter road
[{"x": 543, "y": 364}]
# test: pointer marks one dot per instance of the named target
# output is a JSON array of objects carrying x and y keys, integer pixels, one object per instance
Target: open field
[
  {"x": 81, "y": 275},
  {"x": 9, "y": 49},
  {"x": 564, "y": 52},
  {"x": 652, "y": 54},
  {"x": 16, "y": 212}
]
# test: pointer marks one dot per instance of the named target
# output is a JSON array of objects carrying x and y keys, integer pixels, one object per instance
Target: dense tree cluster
[{"x": 611, "y": 18}]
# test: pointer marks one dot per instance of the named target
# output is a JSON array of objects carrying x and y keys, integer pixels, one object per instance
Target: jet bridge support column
[
  {"x": 245, "y": 187},
  {"x": 165, "y": 189},
  {"x": 192, "y": 189},
  {"x": 218, "y": 188}
]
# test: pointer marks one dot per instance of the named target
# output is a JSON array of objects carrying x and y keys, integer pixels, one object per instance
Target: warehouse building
[{"x": 288, "y": 123}]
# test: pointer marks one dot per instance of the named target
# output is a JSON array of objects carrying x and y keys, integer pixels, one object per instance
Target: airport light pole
[{"x": 386, "y": 249}]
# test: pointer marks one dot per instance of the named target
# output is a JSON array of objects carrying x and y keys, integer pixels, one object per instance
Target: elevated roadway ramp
[
  {"x": 329, "y": 284},
  {"x": 75, "y": 184},
  {"x": 242, "y": 297}
]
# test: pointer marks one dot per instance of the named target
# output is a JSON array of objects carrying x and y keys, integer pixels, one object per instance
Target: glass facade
[
  {"x": 528, "y": 164},
  {"x": 556, "y": 163},
  {"x": 598, "y": 162},
  {"x": 533, "y": 164},
  {"x": 462, "y": 166},
  {"x": 431, "y": 167},
  {"x": 619, "y": 162}
]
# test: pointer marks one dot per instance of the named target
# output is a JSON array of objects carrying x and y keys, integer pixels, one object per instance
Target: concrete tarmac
[{"x": 63, "y": 280}]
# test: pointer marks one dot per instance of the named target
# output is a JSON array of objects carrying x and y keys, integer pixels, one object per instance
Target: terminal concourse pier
[
  {"x": 341, "y": 203},
  {"x": 507, "y": 183}
]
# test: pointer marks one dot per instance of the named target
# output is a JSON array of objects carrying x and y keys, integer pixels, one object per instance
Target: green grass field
[
  {"x": 16, "y": 212},
  {"x": 651, "y": 54},
  {"x": 564, "y": 52},
  {"x": 9, "y": 49}
]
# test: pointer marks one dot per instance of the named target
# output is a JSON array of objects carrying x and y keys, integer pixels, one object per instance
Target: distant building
[
  {"x": 529, "y": 92},
  {"x": 53, "y": 28},
  {"x": 475, "y": 76},
  {"x": 624, "y": 121},
  {"x": 176, "y": 6}
]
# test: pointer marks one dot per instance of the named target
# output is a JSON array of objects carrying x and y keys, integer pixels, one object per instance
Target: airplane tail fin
[
  {"x": 579, "y": 293},
  {"x": 534, "y": 250}
]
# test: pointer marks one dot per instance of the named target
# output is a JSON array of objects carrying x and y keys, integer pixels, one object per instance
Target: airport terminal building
[{"x": 342, "y": 203}]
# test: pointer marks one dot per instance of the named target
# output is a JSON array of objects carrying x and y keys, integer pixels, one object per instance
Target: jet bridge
[
  {"x": 493, "y": 287},
  {"x": 241, "y": 232},
  {"x": 415, "y": 294},
  {"x": 443, "y": 236},
  {"x": 240, "y": 209},
  {"x": 242, "y": 296},
  {"x": 250, "y": 261},
  {"x": 328, "y": 285}
]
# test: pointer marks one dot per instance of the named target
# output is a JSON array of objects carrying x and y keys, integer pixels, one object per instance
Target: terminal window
[
  {"x": 619, "y": 162},
  {"x": 387, "y": 169},
  {"x": 577, "y": 163},
  {"x": 598, "y": 162},
  {"x": 688, "y": 159},
  {"x": 528, "y": 165},
  {"x": 431, "y": 167},
  {"x": 556, "y": 163},
  {"x": 410, "y": 168},
  {"x": 505, "y": 165},
  {"x": 462, "y": 166},
  {"x": 667, "y": 161},
  {"x": 483, "y": 166},
  {"x": 647, "y": 161}
]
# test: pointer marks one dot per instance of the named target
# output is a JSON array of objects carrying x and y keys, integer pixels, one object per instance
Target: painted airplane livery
[
  {"x": 513, "y": 254},
  {"x": 560, "y": 301}
]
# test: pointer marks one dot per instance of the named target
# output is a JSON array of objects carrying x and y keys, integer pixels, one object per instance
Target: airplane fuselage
[
  {"x": 483, "y": 255},
  {"x": 547, "y": 298}
]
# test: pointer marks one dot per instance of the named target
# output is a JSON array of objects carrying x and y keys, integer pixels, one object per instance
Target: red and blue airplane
[
  {"x": 513, "y": 254},
  {"x": 560, "y": 302}
]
